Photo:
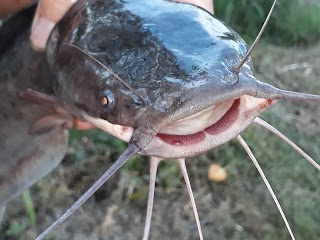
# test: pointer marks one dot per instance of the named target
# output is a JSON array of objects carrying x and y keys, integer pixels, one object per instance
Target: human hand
[
  {"x": 11, "y": 6},
  {"x": 48, "y": 13},
  {"x": 205, "y": 4}
]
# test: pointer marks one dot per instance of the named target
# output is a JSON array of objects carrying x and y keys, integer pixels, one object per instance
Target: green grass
[
  {"x": 29, "y": 208},
  {"x": 15, "y": 229},
  {"x": 293, "y": 21}
]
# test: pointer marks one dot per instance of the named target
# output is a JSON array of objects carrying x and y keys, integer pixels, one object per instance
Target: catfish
[{"x": 168, "y": 78}]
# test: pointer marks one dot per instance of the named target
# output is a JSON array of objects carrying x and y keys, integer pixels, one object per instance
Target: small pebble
[{"x": 217, "y": 173}]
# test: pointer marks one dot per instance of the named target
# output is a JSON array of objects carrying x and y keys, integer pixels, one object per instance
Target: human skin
[
  {"x": 11, "y": 6},
  {"x": 206, "y": 4},
  {"x": 49, "y": 12}
]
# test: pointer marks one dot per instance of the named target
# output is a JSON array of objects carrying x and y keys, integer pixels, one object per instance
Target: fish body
[{"x": 25, "y": 158}]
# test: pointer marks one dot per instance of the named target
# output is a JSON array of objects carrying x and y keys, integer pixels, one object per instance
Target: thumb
[
  {"x": 11, "y": 6},
  {"x": 48, "y": 13}
]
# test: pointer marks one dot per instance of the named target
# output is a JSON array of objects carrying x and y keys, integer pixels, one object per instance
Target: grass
[
  {"x": 293, "y": 21},
  {"x": 29, "y": 208},
  {"x": 17, "y": 228}
]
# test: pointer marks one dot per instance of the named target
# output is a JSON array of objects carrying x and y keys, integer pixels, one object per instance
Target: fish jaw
[
  {"x": 236, "y": 119},
  {"x": 196, "y": 133}
]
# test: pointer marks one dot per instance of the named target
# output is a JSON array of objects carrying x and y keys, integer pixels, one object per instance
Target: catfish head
[{"x": 158, "y": 74}]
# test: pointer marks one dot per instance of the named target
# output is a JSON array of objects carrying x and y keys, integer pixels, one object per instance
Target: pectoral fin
[
  {"x": 48, "y": 123},
  {"x": 37, "y": 97}
]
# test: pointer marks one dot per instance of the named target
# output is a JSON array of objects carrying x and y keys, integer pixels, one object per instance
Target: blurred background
[{"x": 235, "y": 205}]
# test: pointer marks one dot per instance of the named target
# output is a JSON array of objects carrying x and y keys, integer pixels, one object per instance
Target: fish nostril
[{"x": 231, "y": 78}]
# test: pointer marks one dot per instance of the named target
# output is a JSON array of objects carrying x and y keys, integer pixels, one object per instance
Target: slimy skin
[
  {"x": 25, "y": 158},
  {"x": 166, "y": 71}
]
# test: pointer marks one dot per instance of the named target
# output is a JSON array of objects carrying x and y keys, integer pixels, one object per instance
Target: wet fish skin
[{"x": 25, "y": 158}]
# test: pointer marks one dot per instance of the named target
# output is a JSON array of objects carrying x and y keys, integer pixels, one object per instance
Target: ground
[{"x": 238, "y": 208}]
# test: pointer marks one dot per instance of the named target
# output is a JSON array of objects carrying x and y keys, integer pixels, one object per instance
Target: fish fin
[
  {"x": 48, "y": 123},
  {"x": 37, "y": 97}
]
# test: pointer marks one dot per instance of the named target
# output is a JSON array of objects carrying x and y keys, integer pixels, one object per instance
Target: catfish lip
[
  {"x": 236, "y": 119},
  {"x": 223, "y": 116},
  {"x": 198, "y": 121}
]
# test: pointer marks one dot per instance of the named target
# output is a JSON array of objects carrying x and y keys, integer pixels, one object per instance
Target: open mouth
[
  {"x": 229, "y": 117},
  {"x": 196, "y": 133}
]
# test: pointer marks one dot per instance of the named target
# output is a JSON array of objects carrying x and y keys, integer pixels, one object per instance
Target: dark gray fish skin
[
  {"x": 177, "y": 59},
  {"x": 24, "y": 158},
  {"x": 171, "y": 69}
]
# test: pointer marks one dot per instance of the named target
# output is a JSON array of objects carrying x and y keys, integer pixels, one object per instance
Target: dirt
[{"x": 239, "y": 208}]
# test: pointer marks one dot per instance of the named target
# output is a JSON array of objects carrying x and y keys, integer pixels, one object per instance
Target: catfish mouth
[
  {"x": 213, "y": 120},
  {"x": 197, "y": 133},
  {"x": 206, "y": 129}
]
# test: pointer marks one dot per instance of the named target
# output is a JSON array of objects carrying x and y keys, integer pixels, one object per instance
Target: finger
[
  {"x": 48, "y": 13},
  {"x": 11, "y": 6},
  {"x": 206, "y": 4},
  {"x": 81, "y": 125}
]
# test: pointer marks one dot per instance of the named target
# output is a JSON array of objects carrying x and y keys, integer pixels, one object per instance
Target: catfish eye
[
  {"x": 107, "y": 99},
  {"x": 104, "y": 101}
]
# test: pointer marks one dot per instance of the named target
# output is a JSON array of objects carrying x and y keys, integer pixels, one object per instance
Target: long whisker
[
  {"x": 102, "y": 65},
  {"x": 255, "y": 162},
  {"x": 182, "y": 164},
  {"x": 109, "y": 69},
  {"x": 124, "y": 157},
  {"x": 272, "y": 129},
  {"x": 245, "y": 58},
  {"x": 154, "y": 162}
]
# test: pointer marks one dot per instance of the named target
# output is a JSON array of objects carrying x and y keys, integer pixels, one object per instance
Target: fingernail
[{"x": 40, "y": 32}]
